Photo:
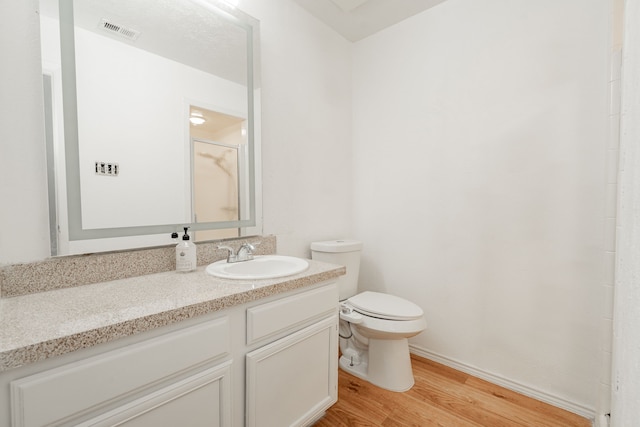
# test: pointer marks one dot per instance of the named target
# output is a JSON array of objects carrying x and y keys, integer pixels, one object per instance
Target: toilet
[{"x": 374, "y": 327}]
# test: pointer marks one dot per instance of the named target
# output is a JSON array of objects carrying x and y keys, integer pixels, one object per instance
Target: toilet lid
[{"x": 385, "y": 306}]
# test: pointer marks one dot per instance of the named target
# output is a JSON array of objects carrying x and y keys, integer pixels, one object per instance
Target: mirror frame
[{"x": 71, "y": 137}]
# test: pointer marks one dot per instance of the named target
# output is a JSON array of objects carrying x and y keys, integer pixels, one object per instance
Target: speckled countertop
[{"x": 38, "y": 326}]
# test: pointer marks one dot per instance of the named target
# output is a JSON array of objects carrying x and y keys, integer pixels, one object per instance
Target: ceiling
[{"x": 357, "y": 19}]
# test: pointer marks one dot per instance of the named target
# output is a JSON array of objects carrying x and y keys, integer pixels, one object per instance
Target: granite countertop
[{"x": 38, "y": 326}]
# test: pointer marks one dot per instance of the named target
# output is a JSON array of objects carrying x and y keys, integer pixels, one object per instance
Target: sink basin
[{"x": 261, "y": 267}]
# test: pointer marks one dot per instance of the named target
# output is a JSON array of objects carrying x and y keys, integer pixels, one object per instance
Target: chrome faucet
[{"x": 245, "y": 252}]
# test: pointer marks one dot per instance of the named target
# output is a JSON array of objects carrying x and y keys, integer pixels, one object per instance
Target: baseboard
[
  {"x": 603, "y": 420},
  {"x": 556, "y": 401}
]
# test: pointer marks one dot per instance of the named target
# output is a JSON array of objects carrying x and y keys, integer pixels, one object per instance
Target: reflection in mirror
[
  {"x": 219, "y": 169},
  {"x": 128, "y": 80}
]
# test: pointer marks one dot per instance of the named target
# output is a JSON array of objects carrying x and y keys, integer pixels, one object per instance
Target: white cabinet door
[
  {"x": 202, "y": 400},
  {"x": 74, "y": 391},
  {"x": 292, "y": 381}
]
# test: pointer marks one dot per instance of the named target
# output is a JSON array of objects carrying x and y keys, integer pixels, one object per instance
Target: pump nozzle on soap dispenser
[{"x": 185, "y": 253}]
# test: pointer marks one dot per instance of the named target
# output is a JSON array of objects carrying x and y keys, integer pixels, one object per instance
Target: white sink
[{"x": 260, "y": 267}]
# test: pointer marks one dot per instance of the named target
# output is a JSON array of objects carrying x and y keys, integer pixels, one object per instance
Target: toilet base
[{"x": 386, "y": 364}]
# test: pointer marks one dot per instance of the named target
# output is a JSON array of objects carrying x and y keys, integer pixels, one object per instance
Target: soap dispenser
[{"x": 185, "y": 254}]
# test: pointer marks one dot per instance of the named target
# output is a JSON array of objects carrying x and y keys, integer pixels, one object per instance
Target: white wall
[
  {"x": 480, "y": 131},
  {"x": 306, "y": 126},
  {"x": 626, "y": 340},
  {"x": 23, "y": 192}
]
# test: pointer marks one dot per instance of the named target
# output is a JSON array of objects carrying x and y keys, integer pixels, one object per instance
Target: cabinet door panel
[
  {"x": 292, "y": 381},
  {"x": 101, "y": 380},
  {"x": 202, "y": 400}
]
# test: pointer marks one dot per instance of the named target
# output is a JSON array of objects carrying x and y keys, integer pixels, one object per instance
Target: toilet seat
[{"x": 385, "y": 306}]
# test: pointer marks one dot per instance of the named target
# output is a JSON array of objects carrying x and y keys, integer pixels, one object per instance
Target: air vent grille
[{"x": 122, "y": 31}]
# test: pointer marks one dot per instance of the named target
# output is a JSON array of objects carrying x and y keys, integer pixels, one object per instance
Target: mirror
[{"x": 151, "y": 121}]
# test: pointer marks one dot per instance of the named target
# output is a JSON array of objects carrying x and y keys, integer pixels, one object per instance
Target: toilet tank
[{"x": 341, "y": 252}]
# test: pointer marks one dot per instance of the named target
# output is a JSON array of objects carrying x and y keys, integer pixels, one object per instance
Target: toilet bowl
[
  {"x": 376, "y": 348},
  {"x": 374, "y": 327}
]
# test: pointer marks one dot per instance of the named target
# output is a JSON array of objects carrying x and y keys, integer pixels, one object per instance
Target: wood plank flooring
[{"x": 441, "y": 397}]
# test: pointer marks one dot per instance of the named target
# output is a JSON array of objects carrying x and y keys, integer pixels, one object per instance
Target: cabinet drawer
[
  {"x": 78, "y": 388},
  {"x": 291, "y": 313}
]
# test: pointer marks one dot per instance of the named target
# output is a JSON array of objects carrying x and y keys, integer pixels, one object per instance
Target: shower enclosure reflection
[{"x": 219, "y": 159}]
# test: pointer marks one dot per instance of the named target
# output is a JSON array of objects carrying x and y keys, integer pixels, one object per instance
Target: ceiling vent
[{"x": 112, "y": 28}]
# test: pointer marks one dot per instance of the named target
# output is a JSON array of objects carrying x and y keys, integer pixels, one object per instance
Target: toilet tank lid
[{"x": 342, "y": 245}]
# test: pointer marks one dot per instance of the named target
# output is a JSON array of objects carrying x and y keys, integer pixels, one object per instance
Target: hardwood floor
[{"x": 441, "y": 397}]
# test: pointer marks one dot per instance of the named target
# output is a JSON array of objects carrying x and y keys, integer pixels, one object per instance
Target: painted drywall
[
  {"x": 626, "y": 337},
  {"x": 480, "y": 130},
  {"x": 23, "y": 191},
  {"x": 306, "y": 126}
]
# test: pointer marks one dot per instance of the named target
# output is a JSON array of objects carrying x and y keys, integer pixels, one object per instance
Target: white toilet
[{"x": 374, "y": 327}]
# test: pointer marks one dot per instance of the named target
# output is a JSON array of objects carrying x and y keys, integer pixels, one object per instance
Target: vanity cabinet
[
  {"x": 186, "y": 371},
  {"x": 270, "y": 362},
  {"x": 294, "y": 379}
]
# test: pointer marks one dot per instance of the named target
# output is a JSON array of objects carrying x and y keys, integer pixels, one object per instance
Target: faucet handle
[
  {"x": 250, "y": 247},
  {"x": 245, "y": 252},
  {"x": 230, "y": 255}
]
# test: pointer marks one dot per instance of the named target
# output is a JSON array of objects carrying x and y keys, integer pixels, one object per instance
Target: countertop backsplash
[{"x": 78, "y": 270}]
